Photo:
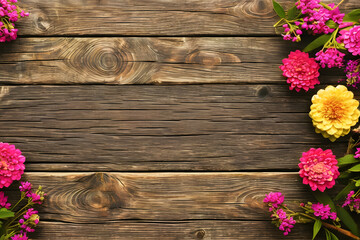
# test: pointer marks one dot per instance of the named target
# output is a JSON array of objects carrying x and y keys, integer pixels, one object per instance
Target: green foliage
[
  {"x": 5, "y": 213},
  {"x": 347, "y": 159},
  {"x": 317, "y": 227},
  {"x": 345, "y": 191},
  {"x": 279, "y": 9},
  {"x": 332, "y": 24},
  {"x": 352, "y": 16},
  {"x": 355, "y": 168},
  {"x": 346, "y": 218},
  {"x": 330, "y": 235},
  {"x": 293, "y": 13},
  {"x": 318, "y": 42}
]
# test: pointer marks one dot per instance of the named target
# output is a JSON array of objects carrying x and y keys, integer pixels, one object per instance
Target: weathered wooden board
[
  {"x": 181, "y": 230},
  {"x": 152, "y": 17},
  {"x": 159, "y": 128},
  {"x": 145, "y": 60},
  {"x": 105, "y": 197}
]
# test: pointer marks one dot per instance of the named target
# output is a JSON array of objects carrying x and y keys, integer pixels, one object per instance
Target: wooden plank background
[{"x": 189, "y": 155}]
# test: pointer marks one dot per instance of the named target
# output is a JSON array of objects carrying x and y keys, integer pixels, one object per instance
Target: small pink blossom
[
  {"x": 318, "y": 169},
  {"x": 323, "y": 211},
  {"x": 274, "y": 200},
  {"x": 3, "y": 201},
  {"x": 19, "y": 237},
  {"x": 301, "y": 71},
  {"x": 286, "y": 223},
  {"x": 351, "y": 40},
  {"x": 330, "y": 58}
]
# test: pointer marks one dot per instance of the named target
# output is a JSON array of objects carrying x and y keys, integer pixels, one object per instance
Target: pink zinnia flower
[
  {"x": 323, "y": 211},
  {"x": 301, "y": 71},
  {"x": 3, "y": 201},
  {"x": 11, "y": 164},
  {"x": 274, "y": 200},
  {"x": 318, "y": 169},
  {"x": 330, "y": 58},
  {"x": 351, "y": 40}
]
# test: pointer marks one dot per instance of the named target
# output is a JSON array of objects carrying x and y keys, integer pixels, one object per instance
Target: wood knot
[
  {"x": 255, "y": 9},
  {"x": 209, "y": 58},
  {"x": 42, "y": 23},
  {"x": 263, "y": 92},
  {"x": 98, "y": 194},
  {"x": 200, "y": 234}
]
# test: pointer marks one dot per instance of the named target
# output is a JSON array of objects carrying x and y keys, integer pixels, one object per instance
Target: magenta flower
[
  {"x": 318, "y": 169},
  {"x": 3, "y": 201},
  {"x": 353, "y": 202},
  {"x": 274, "y": 200},
  {"x": 330, "y": 58},
  {"x": 19, "y": 237},
  {"x": 352, "y": 71},
  {"x": 308, "y": 6},
  {"x": 285, "y": 223},
  {"x": 26, "y": 188},
  {"x": 301, "y": 71},
  {"x": 357, "y": 153},
  {"x": 11, "y": 164},
  {"x": 323, "y": 211},
  {"x": 351, "y": 40}
]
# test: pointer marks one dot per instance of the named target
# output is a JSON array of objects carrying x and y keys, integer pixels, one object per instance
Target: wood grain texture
[
  {"x": 145, "y": 61},
  {"x": 159, "y": 128},
  {"x": 105, "y": 197},
  {"x": 152, "y": 17},
  {"x": 124, "y": 230}
]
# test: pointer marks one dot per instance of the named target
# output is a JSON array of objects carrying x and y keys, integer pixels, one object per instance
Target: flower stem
[
  {"x": 340, "y": 230},
  {"x": 339, "y": 4}
]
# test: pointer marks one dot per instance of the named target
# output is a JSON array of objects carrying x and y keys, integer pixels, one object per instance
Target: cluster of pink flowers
[
  {"x": 274, "y": 200},
  {"x": 308, "y": 6},
  {"x": 36, "y": 197},
  {"x": 20, "y": 237},
  {"x": 286, "y": 223},
  {"x": 330, "y": 58},
  {"x": 11, "y": 164},
  {"x": 29, "y": 221},
  {"x": 319, "y": 169},
  {"x": 352, "y": 71},
  {"x": 292, "y": 32},
  {"x": 3, "y": 201},
  {"x": 352, "y": 201},
  {"x": 301, "y": 71},
  {"x": 357, "y": 153},
  {"x": 323, "y": 211},
  {"x": 9, "y": 14},
  {"x": 351, "y": 39}
]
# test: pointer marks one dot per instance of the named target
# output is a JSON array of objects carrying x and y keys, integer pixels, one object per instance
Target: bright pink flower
[
  {"x": 353, "y": 202},
  {"x": 286, "y": 223},
  {"x": 357, "y": 153},
  {"x": 11, "y": 164},
  {"x": 301, "y": 71},
  {"x": 19, "y": 237},
  {"x": 318, "y": 169},
  {"x": 323, "y": 211},
  {"x": 330, "y": 58},
  {"x": 3, "y": 201},
  {"x": 274, "y": 200},
  {"x": 308, "y": 6},
  {"x": 25, "y": 187},
  {"x": 351, "y": 40}
]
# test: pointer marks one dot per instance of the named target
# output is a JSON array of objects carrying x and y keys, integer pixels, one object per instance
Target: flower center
[
  {"x": 333, "y": 110},
  {"x": 3, "y": 164},
  {"x": 319, "y": 167}
]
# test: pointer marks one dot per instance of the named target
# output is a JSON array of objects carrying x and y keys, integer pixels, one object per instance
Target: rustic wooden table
[{"x": 158, "y": 161}]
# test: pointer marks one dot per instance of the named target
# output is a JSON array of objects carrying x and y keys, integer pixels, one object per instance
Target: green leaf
[
  {"x": 357, "y": 183},
  {"x": 332, "y": 24},
  {"x": 345, "y": 191},
  {"x": 352, "y": 16},
  {"x": 325, "y": 199},
  {"x": 327, "y": 233},
  {"x": 5, "y": 213},
  {"x": 317, "y": 227},
  {"x": 333, "y": 236},
  {"x": 344, "y": 175},
  {"x": 355, "y": 168},
  {"x": 346, "y": 218},
  {"x": 293, "y": 13},
  {"x": 347, "y": 159},
  {"x": 279, "y": 9},
  {"x": 320, "y": 41}
]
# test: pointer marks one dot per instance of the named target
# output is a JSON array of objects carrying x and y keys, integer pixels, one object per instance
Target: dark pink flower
[
  {"x": 351, "y": 40},
  {"x": 11, "y": 164},
  {"x": 330, "y": 58},
  {"x": 318, "y": 169},
  {"x": 19, "y": 237},
  {"x": 3, "y": 201},
  {"x": 285, "y": 223},
  {"x": 274, "y": 200},
  {"x": 301, "y": 71},
  {"x": 323, "y": 211}
]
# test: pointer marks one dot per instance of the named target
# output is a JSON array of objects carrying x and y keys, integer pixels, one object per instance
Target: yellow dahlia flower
[{"x": 334, "y": 111}]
